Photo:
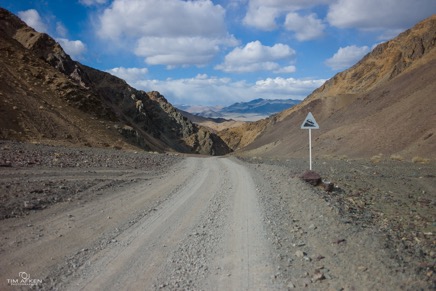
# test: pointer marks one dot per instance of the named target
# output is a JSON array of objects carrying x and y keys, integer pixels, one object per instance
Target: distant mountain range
[{"x": 246, "y": 111}]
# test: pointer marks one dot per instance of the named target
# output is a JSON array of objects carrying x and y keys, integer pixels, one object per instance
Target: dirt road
[
  {"x": 146, "y": 250},
  {"x": 197, "y": 226},
  {"x": 201, "y": 224}
]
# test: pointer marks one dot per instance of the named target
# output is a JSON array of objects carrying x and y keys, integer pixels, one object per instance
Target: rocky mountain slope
[
  {"x": 47, "y": 97},
  {"x": 383, "y": 105}
]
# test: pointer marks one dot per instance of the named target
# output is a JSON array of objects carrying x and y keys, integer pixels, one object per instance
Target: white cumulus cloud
[
  {"x": 256, "y": 57},
  {"x": 177, "y": 51},
  {"x": 32, "y": 18},
  {"x": 290, "y": 87},
  {"x": 201, "y": 89},
  {"x": 305, "y": 27},
  {"x": 346, "y": 57},
  {"x": 209, "y": 90},
  {"x": 376, "y": 14},
  {"x": 75, "y": 48},
  {"x": 263, "y": 14},
  {"x": 130, "y": 75},
  {"x": 170, "y": 32}
]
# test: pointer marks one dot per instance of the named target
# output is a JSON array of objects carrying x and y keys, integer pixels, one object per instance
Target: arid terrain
[
  {"x": 384, "y": 104},
  {"x": 106, "y": 187},
  {"x": 84, "y": 218},
  {"x": 45, "y": 96}
]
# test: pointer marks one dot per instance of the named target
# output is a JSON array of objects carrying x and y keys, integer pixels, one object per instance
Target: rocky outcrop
[
  {"x": 147, "y": 120},
  {"x": 386, "y": 61},
  {"x": 151, "y": 114},
  {"x": 42, "y": 45}
]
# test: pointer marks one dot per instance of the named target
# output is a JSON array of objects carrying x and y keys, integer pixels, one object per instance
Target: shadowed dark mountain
[{"x": 48, "y": 97}]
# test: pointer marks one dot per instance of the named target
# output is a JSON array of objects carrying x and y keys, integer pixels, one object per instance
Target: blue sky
[{"x": 222, "y": 51}]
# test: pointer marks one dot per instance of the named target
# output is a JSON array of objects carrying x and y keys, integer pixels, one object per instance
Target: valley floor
[{"x": 88, "y": 219}]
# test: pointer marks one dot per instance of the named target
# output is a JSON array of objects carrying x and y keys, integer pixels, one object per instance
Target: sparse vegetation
[
  {"x": 420, "y": 160},
  {"x": 377, "y": 158},
  {"x": 395, "y": 157}
]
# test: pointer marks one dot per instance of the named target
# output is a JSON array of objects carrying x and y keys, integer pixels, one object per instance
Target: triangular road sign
[{"x": 310, "y": 122}]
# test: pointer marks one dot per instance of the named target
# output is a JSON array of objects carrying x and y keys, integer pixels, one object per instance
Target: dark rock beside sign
[{"x": 311, "y": 177}]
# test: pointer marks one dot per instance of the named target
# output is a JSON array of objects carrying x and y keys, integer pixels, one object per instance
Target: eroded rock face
[
  {"x": 152, "y": 121},
  {"x": 198, "y": 139},
  {"x": 384, "y": 62}
]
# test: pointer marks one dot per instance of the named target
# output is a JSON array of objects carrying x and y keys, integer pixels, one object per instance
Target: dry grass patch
[
  {"x": 397, "y": 158},
  {"x": 420, "y": 160},
  {"x": 377, "y": 158}
]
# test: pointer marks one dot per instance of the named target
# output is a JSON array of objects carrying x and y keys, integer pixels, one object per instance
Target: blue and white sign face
[{"x": 310, "y": 122}]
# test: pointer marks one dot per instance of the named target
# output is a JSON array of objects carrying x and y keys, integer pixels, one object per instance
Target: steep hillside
[
  {"x": 385, "y": 104},
  {"x": 47, "y": 97}
]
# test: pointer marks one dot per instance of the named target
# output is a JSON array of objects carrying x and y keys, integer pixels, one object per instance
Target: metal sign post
[
  {"x": 310, "y": 123},
  {"x": 310, "y": 149}
]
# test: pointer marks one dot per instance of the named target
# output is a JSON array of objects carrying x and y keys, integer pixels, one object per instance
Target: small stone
[
  {"x": 300, "y": 254},
  {"x": 306, "y": 282},
  {"x": 31, "y": 205},
  {"x": 328, "y": 186},
  {"x": 340, "y": 241},
  {"x": 318, "y": 276}
]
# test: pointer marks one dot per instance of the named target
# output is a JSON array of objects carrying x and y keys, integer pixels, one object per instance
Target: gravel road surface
[{"x": 133, "y": 221}]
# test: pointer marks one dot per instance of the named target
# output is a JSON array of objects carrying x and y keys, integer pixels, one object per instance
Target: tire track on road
[
  {"x": 244, "y": 262},
  {"x": 142, "y": 251}
]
